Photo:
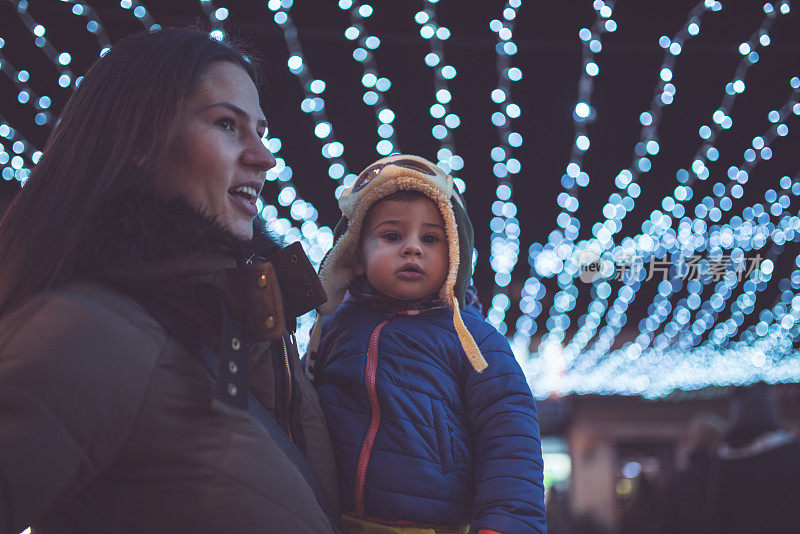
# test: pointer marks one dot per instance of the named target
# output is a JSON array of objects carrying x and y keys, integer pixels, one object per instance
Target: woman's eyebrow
[{"x": 261, "y": 123}]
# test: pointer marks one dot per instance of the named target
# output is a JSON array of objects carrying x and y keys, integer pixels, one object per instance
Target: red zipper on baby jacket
[{"x": 366, "y": 448}]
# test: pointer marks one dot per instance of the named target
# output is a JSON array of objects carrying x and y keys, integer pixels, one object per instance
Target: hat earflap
[
  {"x": 333, "y": 271},
  {"x": 466, "y": 241}
]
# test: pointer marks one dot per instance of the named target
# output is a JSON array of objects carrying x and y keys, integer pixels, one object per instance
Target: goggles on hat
[{"x": 372, "y": 171}]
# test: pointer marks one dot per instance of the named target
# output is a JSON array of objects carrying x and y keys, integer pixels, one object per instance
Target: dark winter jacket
[
  {"x": 108, "y": 423},
  {"x": 419, "y": 435}
]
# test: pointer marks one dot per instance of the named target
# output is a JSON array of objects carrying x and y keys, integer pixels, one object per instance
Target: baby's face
[{"x": 404, "y": 251}]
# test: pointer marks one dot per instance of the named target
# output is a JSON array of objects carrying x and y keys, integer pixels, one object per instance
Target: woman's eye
[{"x": 227, "y": 124}]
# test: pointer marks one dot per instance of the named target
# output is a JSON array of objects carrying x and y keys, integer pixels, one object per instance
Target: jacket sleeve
[
  {"x": 72, "y": 376},
  {"x": 507, "y": 449}
]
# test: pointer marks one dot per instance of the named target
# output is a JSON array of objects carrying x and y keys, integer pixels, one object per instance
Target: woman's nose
[{"x": 258, "y": 156}]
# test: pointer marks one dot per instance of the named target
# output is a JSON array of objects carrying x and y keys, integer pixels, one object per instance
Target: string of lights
[
  {"x": 60, "y": 59},
  {"x": 315, "y": 239},
  {"x": 375, "y": 85},
  {"x": 721, "y": 118},
  {"x": 738, "y": 175},
  {"x": 626, "y": 181},
  {"x": 446, "y": 121},
  {"x": 744, "y": 304},
  {"x": 217, "y": 17},
  {"x": 627, "y": 178},
  {"x": 730, "y": 235},
  {"x": 549, "y": 260},
  {"x": 738, "y": 364},
  {"x": 647, "y": 147},
  {"x": 599, "y": 303},
  {"x": 754, "y": 237},
  {"x": 696, "y": 235},
  {"x": 632, "y": 374},
  {"x": 758, "y": 279},
  {"x": 93, "y": 24},
  {"x": 683, "y": 309},
  {"x": 785, "y": 230},
  {"x": 313, "y": 102},
  {"x": 25, "y": 93},
  {"x": 776, "y": 324},
  {"x": 715, "y": 304},
  {"x": 140, "y": 13},
  {"x": 617, "y": 206},
  {"x": 15, "y": 167},
  {"x": 574, "y": 178},
  {"x": 13, "y": 150},
  {"x": 504, "y": 244}
]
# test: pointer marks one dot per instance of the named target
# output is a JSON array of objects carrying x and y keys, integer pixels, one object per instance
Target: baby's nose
[{"x": 412, "y": 248}]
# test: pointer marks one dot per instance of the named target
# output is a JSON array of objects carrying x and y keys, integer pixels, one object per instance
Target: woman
[{"x": 132, "y": 250}]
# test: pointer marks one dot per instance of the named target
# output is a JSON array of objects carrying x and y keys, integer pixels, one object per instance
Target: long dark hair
[{"x": 112, "y": 133}]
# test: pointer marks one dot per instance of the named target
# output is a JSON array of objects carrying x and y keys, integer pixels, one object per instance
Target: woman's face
[{"x": 217, "y": 160}]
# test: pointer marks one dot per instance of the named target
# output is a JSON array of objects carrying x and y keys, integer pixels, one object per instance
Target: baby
[{"x": 434, "y": 426}]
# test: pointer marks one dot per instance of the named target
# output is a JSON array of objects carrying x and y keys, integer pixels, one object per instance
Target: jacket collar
[
  {"x": 142, "y": 228},
  {"x": 165, "y": 248}
]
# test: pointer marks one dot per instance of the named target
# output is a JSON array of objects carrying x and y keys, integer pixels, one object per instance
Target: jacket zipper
[
  {"x": 366, "y": 447},
  {"x": 288, "y": 391}
]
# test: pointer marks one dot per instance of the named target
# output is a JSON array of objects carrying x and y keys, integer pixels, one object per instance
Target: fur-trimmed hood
[
  {"x": 379, "y": 180},
  {"x": 142, "y": 228},
  {"x": 145, "y": 243}
]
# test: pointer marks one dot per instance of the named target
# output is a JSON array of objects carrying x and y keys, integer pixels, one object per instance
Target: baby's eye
[
  {"x": 430, "y": 238},
  {"x": 391, "y": 236},
  {"x": 226, "y": 123}
]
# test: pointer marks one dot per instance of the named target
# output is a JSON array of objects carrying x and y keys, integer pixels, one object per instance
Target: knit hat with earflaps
[{"x": 379, "y": 180}]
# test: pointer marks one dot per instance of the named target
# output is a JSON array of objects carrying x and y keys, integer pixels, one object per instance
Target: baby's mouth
[{"x": 410, "y": 269}]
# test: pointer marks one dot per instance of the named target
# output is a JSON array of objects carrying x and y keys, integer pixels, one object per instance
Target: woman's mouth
[{"x": 244, "y": 197}]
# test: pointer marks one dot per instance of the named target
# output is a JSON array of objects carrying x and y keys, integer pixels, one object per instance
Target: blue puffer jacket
[{"x": 419, "y": 435}]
